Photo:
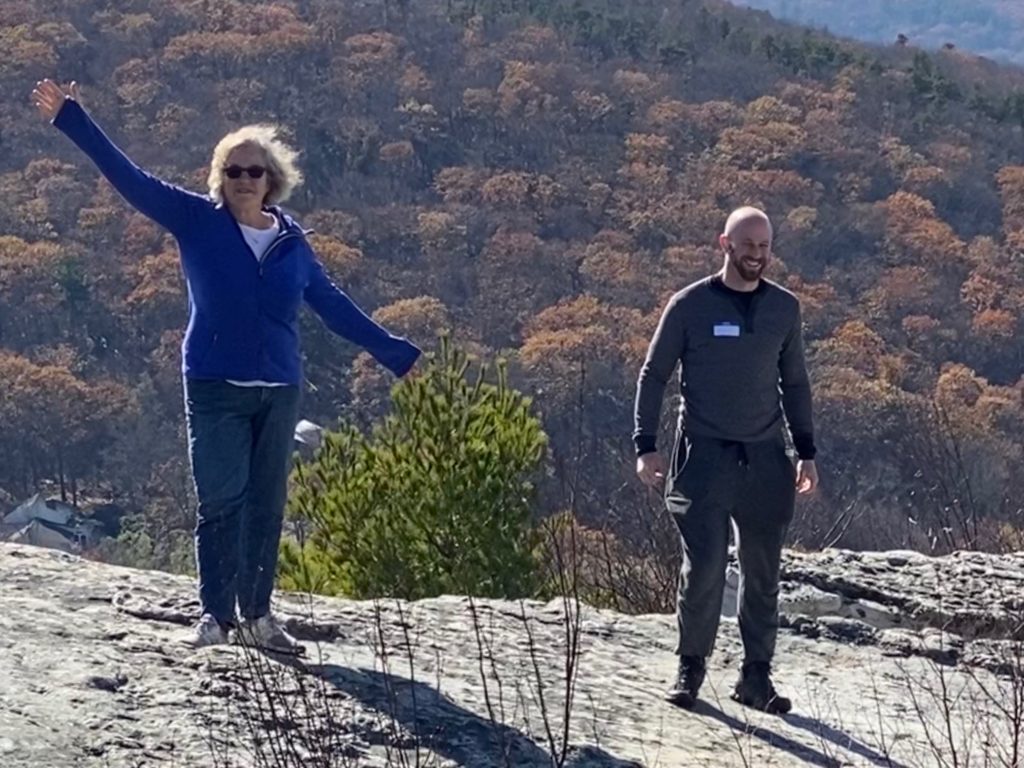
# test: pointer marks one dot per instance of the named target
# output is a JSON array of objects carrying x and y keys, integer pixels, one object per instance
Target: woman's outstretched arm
[
  {"x": 345, "y": 318},
  {"x": 168, "y": 205}
]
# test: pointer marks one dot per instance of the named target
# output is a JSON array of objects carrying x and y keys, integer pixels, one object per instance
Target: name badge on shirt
[{"x": 727, "y": 329}]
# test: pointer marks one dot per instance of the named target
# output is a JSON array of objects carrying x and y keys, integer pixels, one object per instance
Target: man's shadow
[
  {"x": 803, "y": 752},
  {"x": 443, "y": 726}
]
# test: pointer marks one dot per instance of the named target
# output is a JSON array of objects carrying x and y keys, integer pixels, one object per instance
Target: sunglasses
[{"x": 253, "y": 171}]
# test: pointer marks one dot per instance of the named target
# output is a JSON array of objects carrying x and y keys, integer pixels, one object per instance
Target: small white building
[
  {"x": 39, "y": 533},
  {"x": 51, "y": 523},
  {"x": 38, "y": 508}
]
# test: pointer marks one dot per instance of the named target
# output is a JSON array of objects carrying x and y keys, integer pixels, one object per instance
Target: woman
[{"x": 248, "y": 267}]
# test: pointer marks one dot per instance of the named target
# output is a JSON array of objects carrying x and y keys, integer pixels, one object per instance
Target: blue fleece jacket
[{"x": 243, "y": 313}]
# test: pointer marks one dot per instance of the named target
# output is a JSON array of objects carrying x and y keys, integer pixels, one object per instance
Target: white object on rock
[
  {"x": 731, "y": 594},
  {"x": 308, "y": 433}
]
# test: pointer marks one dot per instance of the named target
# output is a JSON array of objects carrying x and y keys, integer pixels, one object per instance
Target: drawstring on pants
[{"x": 744, "y": 458}]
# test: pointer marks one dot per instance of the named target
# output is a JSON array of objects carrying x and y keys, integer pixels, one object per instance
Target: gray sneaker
[
  {"x": 208, "y": 631},
  {"x": 266, "y": 634}
]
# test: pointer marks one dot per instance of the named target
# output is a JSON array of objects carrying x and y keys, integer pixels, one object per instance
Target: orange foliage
[
  {"x": 853, "y": 345},
  {"x": 397, "y": 152},
  {"x": 523, "y": 92},
  {"x": 460, "y": 184},
  {"x": 47, "y": 407},
  {"x": 768, "y": 145},
  {"x": 422, "y": 318},
  {"x": 633, "y": 85},
  {"x": 611, "y": 266},
  {"x": 958, "y": 386},
  {"x": 913, "y": 228},
  {"x": 905, "y": 290},
  {"x": 479, "y": 102},
  {"x": 340, "y": 259},
  {"x": 584, "y": 330},
  {"x": 769, "y": 109},
  {"x": 1011, "y": 186},
  {"x": 159, "y": 281},
  {"x": 995, "y": 323},
  {"x": 980, "y": 292},
  {"x": 647, "y": 148},
  {"x": 508, "y": 189},
  {"x": 23, "y": 263}
]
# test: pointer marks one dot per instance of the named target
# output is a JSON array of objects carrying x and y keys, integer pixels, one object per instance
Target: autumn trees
[
  {"x": 536, "y": 181},
  {"x": 57, "y": 425}
]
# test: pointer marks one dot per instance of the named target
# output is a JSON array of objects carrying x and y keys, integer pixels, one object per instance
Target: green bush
[
  {"x": 436, "y": 500},
  {"x": 139, "y": 547}
]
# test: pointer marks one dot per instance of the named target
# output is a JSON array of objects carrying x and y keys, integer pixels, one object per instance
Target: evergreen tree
[{"x": 435, "y": 500}]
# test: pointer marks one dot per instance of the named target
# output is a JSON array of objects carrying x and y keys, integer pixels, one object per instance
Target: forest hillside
[{"x": 538, "y": 178}]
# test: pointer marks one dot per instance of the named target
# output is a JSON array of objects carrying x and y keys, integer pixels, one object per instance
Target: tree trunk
[{"x": 60, "y": 472}]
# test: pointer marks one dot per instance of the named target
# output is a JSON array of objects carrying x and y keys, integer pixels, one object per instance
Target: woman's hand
[{"x": 49, "y": 97}]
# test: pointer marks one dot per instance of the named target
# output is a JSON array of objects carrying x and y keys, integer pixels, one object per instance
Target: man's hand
[
  {"x": 651, "y": 469},
  {"x": 806, "y": 477}
]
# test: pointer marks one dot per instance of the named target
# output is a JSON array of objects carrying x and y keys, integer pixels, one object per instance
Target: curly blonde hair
[{"x": 282, "y": 172}]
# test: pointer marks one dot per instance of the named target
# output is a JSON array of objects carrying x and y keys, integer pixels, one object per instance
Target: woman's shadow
[{"x": 444, "y": 727}]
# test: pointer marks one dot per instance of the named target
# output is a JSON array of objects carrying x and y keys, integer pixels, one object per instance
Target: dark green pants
[{"x": 753, "y": 485}]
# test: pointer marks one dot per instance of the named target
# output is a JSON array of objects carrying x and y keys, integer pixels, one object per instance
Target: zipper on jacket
[
  {"x": 263, "y": 260},
  {"x": 283, "y": 235},
  {"x": 277, "y": 241}
]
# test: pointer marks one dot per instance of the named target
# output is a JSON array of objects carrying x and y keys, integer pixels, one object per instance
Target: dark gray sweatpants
[{"x": 752, "y": 484}]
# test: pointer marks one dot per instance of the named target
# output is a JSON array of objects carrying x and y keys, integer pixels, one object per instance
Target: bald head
[
  {"x": 747, "y": 243},
  {"x": 742, "y": 217}
]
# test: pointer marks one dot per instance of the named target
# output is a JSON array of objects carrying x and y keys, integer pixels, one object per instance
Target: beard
[{"x": 749, "y": 271}]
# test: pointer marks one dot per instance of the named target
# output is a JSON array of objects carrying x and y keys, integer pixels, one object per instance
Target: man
[{"x": 738, "y": 338}]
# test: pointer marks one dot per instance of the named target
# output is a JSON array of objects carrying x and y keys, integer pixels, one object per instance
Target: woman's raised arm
[{"x": 167, "y": 204}]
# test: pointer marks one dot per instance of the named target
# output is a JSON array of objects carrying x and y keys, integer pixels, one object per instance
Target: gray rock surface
[
  {"x": 972, "y": 594},
  {"x": 94, "y": 671}
]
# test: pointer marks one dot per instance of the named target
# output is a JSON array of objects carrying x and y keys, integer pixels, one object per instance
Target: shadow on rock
[
  {"x": 802, "y": 752},
  {"x": 446, "y": 728}
]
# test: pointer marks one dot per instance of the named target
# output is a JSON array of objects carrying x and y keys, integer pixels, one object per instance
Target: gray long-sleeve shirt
[{"x": 742, "y": 366}]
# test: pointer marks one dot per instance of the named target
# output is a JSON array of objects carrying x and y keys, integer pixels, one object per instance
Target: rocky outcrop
[
  {"x": 94, "y": 672},
  {"x": 971, "y": 594}
]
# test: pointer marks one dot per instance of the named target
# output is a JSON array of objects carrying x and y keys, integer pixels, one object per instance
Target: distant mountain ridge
[{"x": 990, "y": 28}]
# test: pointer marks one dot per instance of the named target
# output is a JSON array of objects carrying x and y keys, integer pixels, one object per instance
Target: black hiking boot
[
  {"x": 688, "y": 681},
  {"x": 755, "y": 689}
]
